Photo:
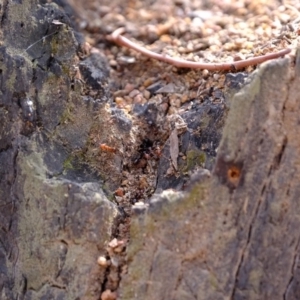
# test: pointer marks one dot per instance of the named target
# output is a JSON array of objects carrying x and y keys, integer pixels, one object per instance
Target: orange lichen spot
[{"x": 234, "y": 174}]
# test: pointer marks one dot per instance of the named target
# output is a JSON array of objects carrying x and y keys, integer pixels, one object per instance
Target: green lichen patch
[{"x": 194, "y": 158}]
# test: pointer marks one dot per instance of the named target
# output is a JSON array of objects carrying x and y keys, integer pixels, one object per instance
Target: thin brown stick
[{"x": 181, "y": 63}]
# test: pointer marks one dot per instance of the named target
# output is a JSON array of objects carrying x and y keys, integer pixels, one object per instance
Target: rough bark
[
  {"x": 55, "y": 219},
  {"x": 234, "y": 235}
]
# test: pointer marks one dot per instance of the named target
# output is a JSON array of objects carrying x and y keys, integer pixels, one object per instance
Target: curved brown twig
[{"x": 181, "y": 63}]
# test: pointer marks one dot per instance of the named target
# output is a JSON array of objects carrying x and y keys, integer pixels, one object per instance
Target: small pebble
[
  {"x": 216, "y": 76},
  {"x": 119, "y": 249},
  {"x": 149, "y": 81},
  {"x": 165, "y": 38},
  {"x": 129, "y": 88},
  {"x": 102, "y": 261},
  {"x": 146, "y": 94},
  {"x": 238, "y": 57},
  {"x": 113, "y": 63},
  {"x": 119, "y": 100},
  {"x": 133, "y": 93},
  {"x": 128, "y": 99},
  {"x": 113, "y": 243},
  {"x": 205, "y": 73},
  {"x": 184, "y": 98},
  {"x": 119, "y": 93},
  {"x": 108, "y": 295},
  {"x": 139, "y": 99}
]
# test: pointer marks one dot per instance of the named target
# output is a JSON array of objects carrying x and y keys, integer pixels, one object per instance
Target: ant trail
[{"x": 44, "y": 37}]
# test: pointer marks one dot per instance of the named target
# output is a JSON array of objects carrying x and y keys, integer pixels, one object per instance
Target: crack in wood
[
  {"x": 149, "y": 282},
  {"x": 293, "y": 269},
  {"x": 241, "y": 260},
  {"x": 3, "y": 10}
]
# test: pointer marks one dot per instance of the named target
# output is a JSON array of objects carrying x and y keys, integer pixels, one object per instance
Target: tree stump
[{"x": 233, "y": 235}]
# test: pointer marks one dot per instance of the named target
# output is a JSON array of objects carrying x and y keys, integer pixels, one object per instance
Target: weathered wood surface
[
  {"x": 231, "y": 236},
  {"x": 55, "y": 219},
  {"x": 235, "y": 235}
]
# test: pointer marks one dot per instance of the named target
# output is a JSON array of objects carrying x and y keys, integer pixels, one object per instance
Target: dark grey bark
[{"x": 55, "y": 219}]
